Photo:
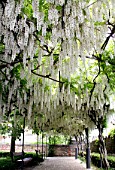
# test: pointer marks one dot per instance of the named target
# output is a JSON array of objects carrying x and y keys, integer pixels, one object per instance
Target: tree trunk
[
  {"x": 77, "y": 147},
  {"x": 81, "y": 144},
  {"x": 102, "y": 149},
  {"x": 12, "y": 146}
]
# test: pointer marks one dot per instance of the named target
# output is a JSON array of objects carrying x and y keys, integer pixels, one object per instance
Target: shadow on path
[{"x": 59, "y": 163}]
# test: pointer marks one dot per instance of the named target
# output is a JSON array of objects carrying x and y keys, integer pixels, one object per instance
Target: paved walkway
[{"x": 60, "y": 163}]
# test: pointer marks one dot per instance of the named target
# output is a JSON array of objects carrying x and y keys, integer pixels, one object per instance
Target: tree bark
[
  {"x": 102, "y": 149},
  {"x": 12, "y": 146}
]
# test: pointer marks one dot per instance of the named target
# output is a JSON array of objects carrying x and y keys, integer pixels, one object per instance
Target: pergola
[{"x": 51, "y": 59}]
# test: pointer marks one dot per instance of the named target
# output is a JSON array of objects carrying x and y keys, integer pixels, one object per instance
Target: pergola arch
[{"x": 53, "y": 61}]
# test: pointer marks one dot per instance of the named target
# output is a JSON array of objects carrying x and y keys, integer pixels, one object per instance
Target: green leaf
[
  {"x": 2, "y": 47},
  {"x": 23, "y": 82},
  {"x": 84, "y": 12},
  {"x": 59, "y": 7},
  {"x": 97, "y": 23},
  {"x": 16, "y": 71}
]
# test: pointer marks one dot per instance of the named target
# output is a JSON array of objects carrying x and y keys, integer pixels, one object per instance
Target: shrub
[
  {"x": 6, "y": 164},
  {"x": 51, "y": 150},
  {"x": 97, "y": 142},
  {"x": 4, "y": 154},
  {"x": 95, "y": 159},
  {"x": 112, "y": 133},
  {"x": 111, "y": 160},
  {"x": 36, "y": 158}
]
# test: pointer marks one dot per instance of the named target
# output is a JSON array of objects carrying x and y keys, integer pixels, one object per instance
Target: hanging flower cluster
[{"x": 49, "y": 42}]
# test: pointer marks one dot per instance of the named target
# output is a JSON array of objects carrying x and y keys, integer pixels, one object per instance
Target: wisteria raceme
[{"x": 54, "y": 37}]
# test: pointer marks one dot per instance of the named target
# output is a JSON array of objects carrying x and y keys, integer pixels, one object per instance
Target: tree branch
[
  {"x": 94, "y": 82},
  {"x": 45, "y": 46},
  {"x": 107, "y": 39},
  {"x": 2, "y": 66},
  {"x": 92, "y": 115},
  {"x": 91, "y": 4},
  {"x": 37, "y": 67},
  {"x": 4, "y": 74},
  {"x": 94, "y": 57},
  {"x": 46, "y": 76}
]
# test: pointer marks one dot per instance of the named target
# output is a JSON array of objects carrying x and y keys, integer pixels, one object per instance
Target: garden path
[{"x": 60, "y": 163}]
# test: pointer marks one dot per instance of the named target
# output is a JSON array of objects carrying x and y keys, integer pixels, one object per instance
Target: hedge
[
  {"x": 36, "y": 159},
  {"x": 95, "y": 159},
  {"x": 4, "y": 154},
  {"x": 7, "y": 164}
]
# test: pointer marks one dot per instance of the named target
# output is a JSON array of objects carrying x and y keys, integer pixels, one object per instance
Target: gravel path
[{"x": 60, "y": 163}]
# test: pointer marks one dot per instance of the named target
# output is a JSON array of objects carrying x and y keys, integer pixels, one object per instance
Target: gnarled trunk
[{"x": 102, "y": 149}]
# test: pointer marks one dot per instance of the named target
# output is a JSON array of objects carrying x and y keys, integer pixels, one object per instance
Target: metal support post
[
  {"x": 76, "y": 153},
  {"x": 46, "y": 146},
  {"x": 23, "y": 145},
  {"x": 87, "y": 149},
  {"x": 42, "y": 146}
]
